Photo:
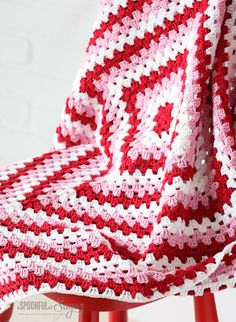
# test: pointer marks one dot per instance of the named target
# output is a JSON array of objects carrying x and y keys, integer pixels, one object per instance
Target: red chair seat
[{"x": 92, "y": 304}]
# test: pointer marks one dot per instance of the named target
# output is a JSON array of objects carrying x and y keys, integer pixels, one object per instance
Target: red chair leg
[
  {"x": 118, "y": 316},
  {"x": 5, "y": 316},
  {"x": 88, "y": 316},
  {"x": 205, "y": 308}
]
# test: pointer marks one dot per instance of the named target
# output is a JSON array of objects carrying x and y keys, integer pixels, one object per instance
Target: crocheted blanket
[{"x": 136, "y": 198}]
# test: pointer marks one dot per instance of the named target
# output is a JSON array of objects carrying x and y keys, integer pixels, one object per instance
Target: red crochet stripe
[
  {"x": 220, "y": 76},
  {"x": 98, "y": 221},
  {"x": 94, "y": 253},
  {"x": 87, "y": 83},
  {"x": 130, "y": 96},
  {"x": 66, "y": 138},
  {"x": 83, "y": 118},
  {"x": 29, "y": 165},
  {"x": 146, "y": 290},
  {"x": 153, "y": 164},
  {"x": 157, "y": 250},
  {"x": 197, "y": 253},
  {"x": 86, "y": 190},
  {"x": 57, "y": 176},
  {"x": 163, "y": 118},
  {"x": 122, "y": 13}
]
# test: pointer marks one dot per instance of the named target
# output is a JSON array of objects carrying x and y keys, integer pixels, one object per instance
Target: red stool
[{"x": 89, "y": 308}]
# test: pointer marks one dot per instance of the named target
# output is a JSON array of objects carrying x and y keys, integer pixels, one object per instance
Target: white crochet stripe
[
  {"x": 231, "y": 24},
  {"x": 60, "y": 238},
  {"x": 181, "y": 143},
  {"x": 122, "y": 264},
  {"x": 161, "y": 60},
  {"x": 144, "y": 215},
  {"x": 63, "y": 238},
  {"x": 114, "y": 90},
  {"x": 88, "y": 268},
  {"x": 66, "y": 156},
  {"x": 76, "y": 126},
  {"x": 12, "y": 168},
  {"x": 124, "y": 127},
  {"x": 109, "y": 293},
  {"x": 214, "y": 22},
  {"x": 152, "y": 22},
  {"x": 125, "y": 296},
  {"x": 41, "y": 174},
  {"x": 106, "y": 10},
  {"x": 72, "y": 274},
  {"x": 131, "y": 241},
  {"x": 146, "y": 66},
  {"x": 186, "y": 188},
  {"x": 65, "y": 120},
  {"x": 150, "y": 137},
  {"x": 80, "y": 265},
  {"x": 176, "y": 227}
]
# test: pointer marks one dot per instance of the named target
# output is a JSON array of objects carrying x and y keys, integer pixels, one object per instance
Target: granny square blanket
[{"x": 135, "y": 199}]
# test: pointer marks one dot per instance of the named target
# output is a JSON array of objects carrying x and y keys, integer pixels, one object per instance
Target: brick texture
[{"x": 42, "y": 44}]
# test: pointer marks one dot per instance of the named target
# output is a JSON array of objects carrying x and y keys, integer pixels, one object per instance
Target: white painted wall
[{"x": 42, "y": 44}]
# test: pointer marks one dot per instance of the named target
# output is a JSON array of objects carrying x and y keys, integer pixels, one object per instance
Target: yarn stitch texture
[{"x": 135, "y": 199}]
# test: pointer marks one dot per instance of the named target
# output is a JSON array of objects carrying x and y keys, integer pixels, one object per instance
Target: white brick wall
[{"x": 42, "y": 44}]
